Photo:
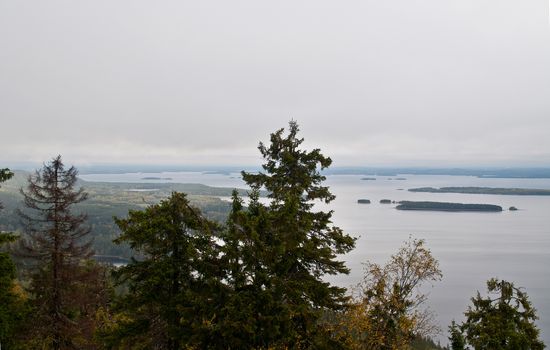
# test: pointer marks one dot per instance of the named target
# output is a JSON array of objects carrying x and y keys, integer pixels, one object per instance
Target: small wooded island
[
  {"x": 444, "y": 206},
  {"x": 485, "y": 190},
  {"x": 363, "y": 201}
]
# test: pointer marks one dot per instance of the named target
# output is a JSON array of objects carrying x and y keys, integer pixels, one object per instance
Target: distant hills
[
  {"x": 517, "y": 173},
  {"x": 485, "y": 190},
  {"x": 479, "y": 171},
  {"x": 535, "y": 173}
]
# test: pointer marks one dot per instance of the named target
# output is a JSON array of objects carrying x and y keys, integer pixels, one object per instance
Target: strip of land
[
  {"x": 444, "y": 206},
  {"x": 485, "y": 190}
]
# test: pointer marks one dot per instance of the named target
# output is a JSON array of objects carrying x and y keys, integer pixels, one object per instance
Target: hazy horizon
[{"x": 368, "y": 169}]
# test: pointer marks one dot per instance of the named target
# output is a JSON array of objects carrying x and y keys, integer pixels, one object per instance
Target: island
[
  {"x": 385, "y": 201},
  {"x": 363, "y": 201},
  {"x": 444, "y": 206},
  {"x": 485, "y": 190},
  {"x": 369, "y": 178},
  {"x": 513, "y": 209}
]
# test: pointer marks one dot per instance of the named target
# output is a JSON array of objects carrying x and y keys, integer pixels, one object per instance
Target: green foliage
[
  {"x": 5, "y": 175},
  {"x": 278, "y": 252},
  {"x": 424, "y": 343},
  {"x": 456, "y": 337},
  {"x": 174, "y": 290},
  {"x": 502, "y": 322},
  {"x": 12, "y": 304}
]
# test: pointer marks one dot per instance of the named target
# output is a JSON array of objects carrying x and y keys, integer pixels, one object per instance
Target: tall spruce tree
[
  {"x": 280, "y": 252},
  {"x": 57, "y": 246},
  {"x": 175, "y": 286},
  {"x": 250, "y": 317}
]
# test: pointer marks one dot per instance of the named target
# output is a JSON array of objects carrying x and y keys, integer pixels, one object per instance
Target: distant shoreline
[
  {"x": 540, "y": 172},
  {"x": 485, "y": 190}
]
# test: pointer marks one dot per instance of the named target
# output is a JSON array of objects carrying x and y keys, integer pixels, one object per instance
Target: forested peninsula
[{"x": 485, "y": 190}]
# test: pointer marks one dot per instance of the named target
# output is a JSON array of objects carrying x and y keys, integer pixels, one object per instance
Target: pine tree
[
  {"x": 281, "y": 251},
  {"x": 56, "y": 244}
]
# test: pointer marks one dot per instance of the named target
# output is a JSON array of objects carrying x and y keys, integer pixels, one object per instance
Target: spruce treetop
[
  {"x": 278, "y": 253},
  {"x": 291, "y": 171},
  {"x": 504, "y": 319}
]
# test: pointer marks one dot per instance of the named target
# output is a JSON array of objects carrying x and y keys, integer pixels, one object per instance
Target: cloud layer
[{"x": 371, "y": 82}]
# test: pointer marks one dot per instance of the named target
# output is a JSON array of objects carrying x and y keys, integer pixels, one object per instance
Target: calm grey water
[{"x": 471, "y": 247}]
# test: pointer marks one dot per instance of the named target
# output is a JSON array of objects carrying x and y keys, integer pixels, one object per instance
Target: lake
[{"x": 471, "y": 247}]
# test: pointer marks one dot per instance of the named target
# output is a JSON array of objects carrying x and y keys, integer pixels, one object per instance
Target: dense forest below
[{"x": 114, "y": 199}]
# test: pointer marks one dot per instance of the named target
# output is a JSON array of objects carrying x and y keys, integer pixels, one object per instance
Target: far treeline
[
  {"x": 485, "y": 190},
  {"x": 252, "y": 282},
  {"x": 492, "y": 173}
]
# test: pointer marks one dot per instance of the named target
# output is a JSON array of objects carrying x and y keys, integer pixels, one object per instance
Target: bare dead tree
[{"x": 56, "y": 243}]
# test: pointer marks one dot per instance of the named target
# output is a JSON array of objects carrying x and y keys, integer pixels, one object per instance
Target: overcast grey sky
[{"x": 402, "y": 82}]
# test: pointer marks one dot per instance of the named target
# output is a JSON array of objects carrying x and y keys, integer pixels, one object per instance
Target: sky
[{"x": 370, "y": 82}]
